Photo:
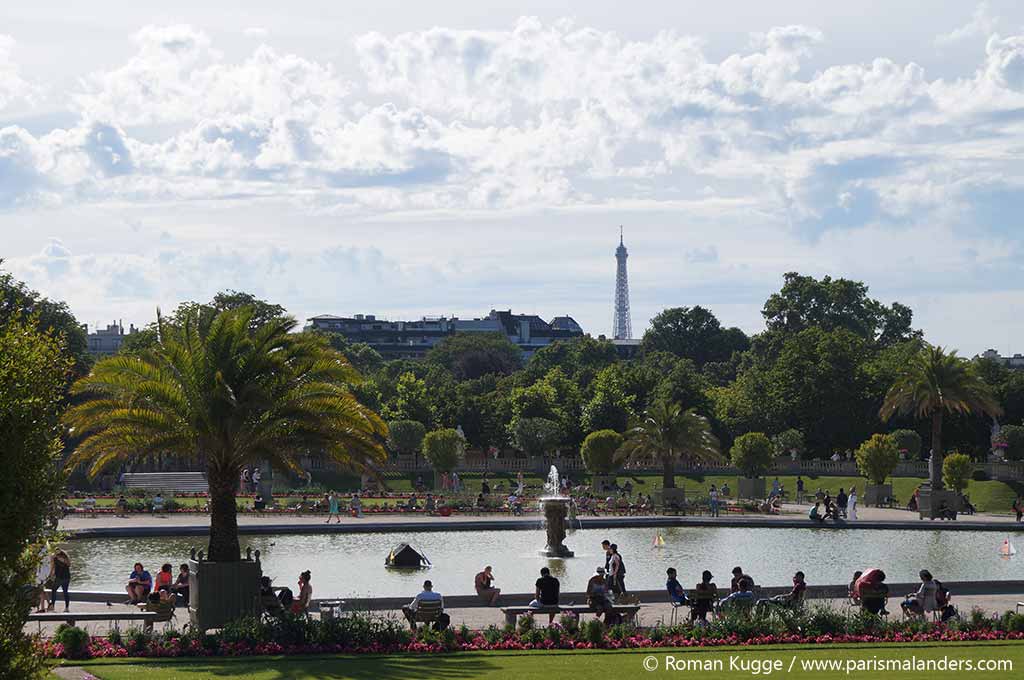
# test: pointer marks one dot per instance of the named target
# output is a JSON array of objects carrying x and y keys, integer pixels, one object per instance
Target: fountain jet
[{"x": 555, "y": 507}]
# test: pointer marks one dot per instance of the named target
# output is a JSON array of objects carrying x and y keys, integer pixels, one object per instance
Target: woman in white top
[
  {"x": 851, "y": 505},
  {"x": 42, "y": 576},
  {"x": 924, "y": 600}
]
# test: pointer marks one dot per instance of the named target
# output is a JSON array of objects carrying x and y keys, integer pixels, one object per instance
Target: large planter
[
  {"x": 751, "y": 488},
  {"x": 220, "y": 592},
  {"x": 875, "y": 494},
  {"x": 602, "y": 483},
  {"x": 670, "y": 497},
  {"x": 931, "y": 501}
]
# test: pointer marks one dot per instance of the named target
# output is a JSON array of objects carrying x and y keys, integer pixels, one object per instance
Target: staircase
[{"x": 180, "y": 482}]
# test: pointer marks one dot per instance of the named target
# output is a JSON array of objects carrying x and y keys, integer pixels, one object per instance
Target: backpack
[
  {"x": 941, "y": 594},
  {"x": 286, "y": 597}
]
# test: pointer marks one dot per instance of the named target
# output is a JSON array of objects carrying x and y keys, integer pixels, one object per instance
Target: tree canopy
[
  {"x": 469, "y": 356},
  {"x": 694, "y": 333}
]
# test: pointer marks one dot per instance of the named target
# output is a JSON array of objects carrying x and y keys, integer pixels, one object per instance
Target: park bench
[
  {"x": 148, "y": 618},
  {"x": 626, "y": 611},
  {"x": 428, "y": 612}
]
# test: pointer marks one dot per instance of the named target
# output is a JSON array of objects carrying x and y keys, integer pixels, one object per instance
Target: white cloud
[
  {"x": 12, "y": 86},
  {"x": 982, "y": 24}
]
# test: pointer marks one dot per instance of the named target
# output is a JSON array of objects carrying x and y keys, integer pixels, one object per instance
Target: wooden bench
[
  {"x": 148, "y": 618},
  {"x": 626, "y": 611}
]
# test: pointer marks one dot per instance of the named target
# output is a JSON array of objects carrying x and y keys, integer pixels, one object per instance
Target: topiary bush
[
  {"x": 877, "y": 458},
  {"x": 752, "y": 454},
  {"x": 74, "y": 640},
  {"x": 956, "y": 471},
  {"x": 598, "y": 451}
]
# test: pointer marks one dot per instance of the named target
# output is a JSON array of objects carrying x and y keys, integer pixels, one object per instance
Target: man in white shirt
[{"x": 428, "y": 595}]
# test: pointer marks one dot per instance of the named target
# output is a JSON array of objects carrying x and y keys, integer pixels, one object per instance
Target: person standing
[
  {"x": 332, "y": 508},
  {"x": 617, "y": 576},
  {"x": 799, "y": 489},
  {"x": 842, "y": 503},
  {"x": 43, "y": 574},
  {"x": 851, "y": 505},
  {"x": 257, "y": 477},
  {"x": 243, "y": 485},
  {"x": 60, "y": 574},
  {"x": 713, "y": 500}
]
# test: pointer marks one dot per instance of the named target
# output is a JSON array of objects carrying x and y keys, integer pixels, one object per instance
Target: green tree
[
  {"x": 1013, "y": 437},
  {"x": 935, "y": 383},
  {"x": 694, "y": 333},
  {"x": 788, "y": 442},
  {"x": 877, "y": 458},
  {"x": 444, "y": 449},
  {"x": 669, "y": 434},
  {"x": 752, "y": 454},
  {"x": 406, "y": 436},
  {"x": 19, "y": 301},
  {"x": 411, "y": 401},
  {"x": 34, "y": 368},
  {"x": 469, "y": 356},
  {"x": 611, "y": 406},
  {"x": 230, "y": 395},
  {"x": 908, "y": 442},
  {"x": 536, "y": 436},
  {"x": 956, "y": 471},
  {"x": 599, "y": 451},
  {"x": 830, "y": 304}
]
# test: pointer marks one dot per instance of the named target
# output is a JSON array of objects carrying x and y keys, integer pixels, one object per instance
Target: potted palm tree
[
  {"x": 231, "y": 393},
  {"x": 752, "y": 455},
  {"x": 876, "y": 459},
  {"x": 599, "y": 453},
  {"x": 668, "y": 433},
  {"x": 932, "y": 384}
]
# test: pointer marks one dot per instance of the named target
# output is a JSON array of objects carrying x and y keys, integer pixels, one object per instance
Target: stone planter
[
  {"x": 220, "y": 592},
  {"x": 669, "y": 496},
  {"x": 874, "y": 494},
  {"x": 602, "y": 484},
  {"x": 931, "y": 500},
  {"x": 751, "y": 488}
]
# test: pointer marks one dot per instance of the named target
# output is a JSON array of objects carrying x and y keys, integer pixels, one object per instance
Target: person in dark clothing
[
  {"x": 61, "y": 575},
  {"x": 738, "y": 579},
  {"x": 675, "y": 589},
  {"x": 546, "y": 591},
  {"x": 841, "y": 501}
]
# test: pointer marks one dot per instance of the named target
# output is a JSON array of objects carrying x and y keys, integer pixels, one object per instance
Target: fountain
[{"x": 555, "y": 507}]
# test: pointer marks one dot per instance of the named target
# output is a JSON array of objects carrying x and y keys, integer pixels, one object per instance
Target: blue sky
[{"x": 408, "y": 160}]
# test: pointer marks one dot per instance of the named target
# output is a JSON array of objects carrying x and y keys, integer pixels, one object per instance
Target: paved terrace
[
  {"x": 793, "y": 516},
  {"x": 993, "y": 597}
]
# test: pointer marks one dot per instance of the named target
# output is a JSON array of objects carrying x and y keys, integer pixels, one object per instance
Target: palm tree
[
  {"x": 226, "y": 392},
  {"x": 669, "y": 433},
  {"x": 932, "y": 384}
]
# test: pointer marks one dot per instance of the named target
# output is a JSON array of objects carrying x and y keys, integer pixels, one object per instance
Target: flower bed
[{"x": 365, "y": 634}]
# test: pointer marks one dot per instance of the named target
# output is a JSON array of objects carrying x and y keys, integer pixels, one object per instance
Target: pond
[{"x": 352, "y": 565}]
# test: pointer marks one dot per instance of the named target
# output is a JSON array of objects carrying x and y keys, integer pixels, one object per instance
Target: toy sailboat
[
  {"x": 659, "y": 540},
  {"x": 1007, "y": 549}
]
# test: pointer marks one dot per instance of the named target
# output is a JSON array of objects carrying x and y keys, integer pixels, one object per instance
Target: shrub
[
  {"x": 1012, "y": 622},
  {"x": 525, "y": 623},
  {"x": 406, "y": 436},
  {"x": 877, "y": 458},
  {"x": 752, "y": 454},
  {"x": 592, "y": 631},
  {"x": 535, "y": 436},
  {"x": 554, "y": 634},
  {"x": 570, "y": 623},
  {"x": 74, "y": 639},
  {"x": 908, "y": 442},
  {"x": 598, "y": 451},
  {"x": 492, "y": 635},
  {"x": 956, "y": 471},
  {"x": 136, "y": 492},
  {"x": 444, "y": 449}
]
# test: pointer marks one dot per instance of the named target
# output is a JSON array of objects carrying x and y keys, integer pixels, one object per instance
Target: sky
[{"x": 411, "y": 159}]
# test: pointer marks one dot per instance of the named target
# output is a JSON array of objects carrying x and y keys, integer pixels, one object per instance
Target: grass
[
  {"x": 988, "y": 496},
  {"x": 557, "y": 664}
]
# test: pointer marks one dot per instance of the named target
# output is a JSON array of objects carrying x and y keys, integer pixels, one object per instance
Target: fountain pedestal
[{"x": 556, "y": 512}]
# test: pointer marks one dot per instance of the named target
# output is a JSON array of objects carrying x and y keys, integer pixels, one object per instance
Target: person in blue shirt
[
  {"x": 675, "y": 590},
  {"x": 139, "y": 584}
]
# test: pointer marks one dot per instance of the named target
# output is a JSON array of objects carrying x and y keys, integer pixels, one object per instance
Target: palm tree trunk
[
  {"x": 223, "y": 517},
  {"x": 936, "y": 465},
  {"x": 668, "y": 479}
]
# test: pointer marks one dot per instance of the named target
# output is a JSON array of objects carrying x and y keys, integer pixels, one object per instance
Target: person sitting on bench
[
  {"x": 704, "y": 596},
  {"x": 675, "y": 590},
  {"x": 791, "y": 600},
  {"x": 139, "y": 584},
  {"x": 427, "y": 599},
  {"x": 597, "y": 597},
  {"x": 268, "y": 598},
  {"x": 545, "y": 593}
]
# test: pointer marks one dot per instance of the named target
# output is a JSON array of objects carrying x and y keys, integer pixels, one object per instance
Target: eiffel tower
[{"x": 621, "y": 327}]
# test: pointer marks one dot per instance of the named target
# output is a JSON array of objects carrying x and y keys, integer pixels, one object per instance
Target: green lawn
[
  {"x": 990, "y": 496},
  {"x": 559, "y": 664}
]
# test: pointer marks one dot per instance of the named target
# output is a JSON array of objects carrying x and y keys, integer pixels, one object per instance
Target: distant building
[
  {"x": 1016, "y": 361},
  {"x": 413, "y": 339},
  {"x": 107, "y": 341}
]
